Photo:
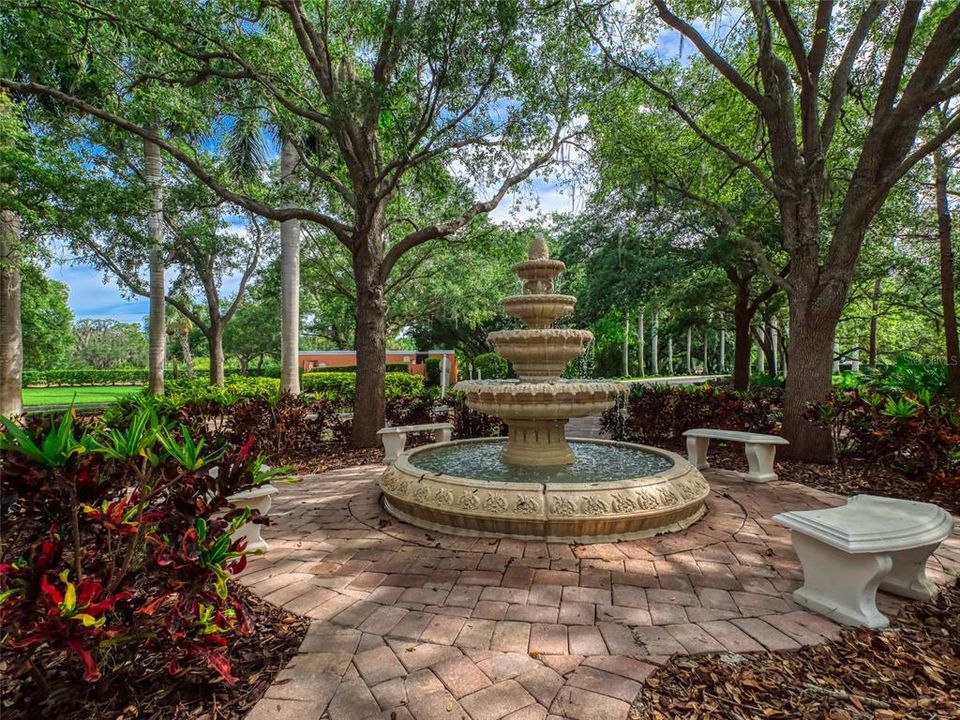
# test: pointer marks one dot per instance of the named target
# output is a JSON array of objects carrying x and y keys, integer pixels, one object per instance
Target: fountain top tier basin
[{"x": 611, "y": 491}]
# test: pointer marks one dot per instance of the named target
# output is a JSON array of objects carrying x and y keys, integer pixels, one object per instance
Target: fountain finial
[{"x": 538, "y": 249}]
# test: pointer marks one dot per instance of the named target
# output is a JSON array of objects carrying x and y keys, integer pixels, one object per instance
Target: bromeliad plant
[{"x": 120, "y": 543}]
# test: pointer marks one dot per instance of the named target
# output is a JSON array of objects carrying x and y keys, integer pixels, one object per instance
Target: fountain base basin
[{"x": 556, "y": 507}]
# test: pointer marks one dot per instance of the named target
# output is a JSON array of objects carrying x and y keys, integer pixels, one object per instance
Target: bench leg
[
  {"x": 442, "y": 435},
  {"x": 842, "y": 586},
  {"x": 697, "y": 452},
  {"x": 760, "y": 459},
  {"x": 392, "y": 446},
  {"x": 250, "y": 530},
  {"x": 908, "y": 577}
]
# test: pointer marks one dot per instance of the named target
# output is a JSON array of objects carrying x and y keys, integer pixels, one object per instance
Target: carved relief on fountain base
[{"x": 563, "y": 512}]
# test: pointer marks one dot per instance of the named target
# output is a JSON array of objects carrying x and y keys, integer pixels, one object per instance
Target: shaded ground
[
  {"x": 909, "y": 671},
  {"x": 73, "y": 395},
  {"x": 150, "y": 693}
]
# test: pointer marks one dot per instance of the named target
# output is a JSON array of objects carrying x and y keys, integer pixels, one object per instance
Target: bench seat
[
  {"x": 761, "y": 450},
  {"x": 871, "y": 543},
  {"x": 395, "y": 438}
]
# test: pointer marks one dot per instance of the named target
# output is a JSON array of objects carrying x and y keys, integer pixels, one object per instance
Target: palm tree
[
  {"x": 157, "y": 322},
  {"x": 289, "y": 281},
  {"x": 11, "y": 341},
  {"x": 179, "y": 325}
]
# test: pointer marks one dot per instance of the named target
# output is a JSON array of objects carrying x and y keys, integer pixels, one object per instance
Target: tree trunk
[
  {"x": 706, "y": 351},
  {"x": 626, "y": 344},
  {"x": 369, "y": 407},
  {"x": 809, "y": 379},
  {"x": 742, "y": 318},
  {"x": 947, "y": 276},
  {"x": 640, "y": 348},
  {"x": 244, "y": 365},
  {"x": 215, "y": 341},
  {"x": 654, "y": 346},
  {"x": 185, "y": 350},
  {"x": 670, "y": 355},
  {"x": 875, "y": 321},
  {"x": 157, "y": 325},
  {"x": 289, "y": 283},
  {"x": 689, "y": 350},
  {"x": 11, "y": 335}
]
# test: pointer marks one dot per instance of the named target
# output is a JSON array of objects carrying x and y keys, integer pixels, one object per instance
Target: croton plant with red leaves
[{"x": 120, "y": 543}]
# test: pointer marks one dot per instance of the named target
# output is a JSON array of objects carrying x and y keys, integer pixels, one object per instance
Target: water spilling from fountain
[{"x": 536, "y": 483}]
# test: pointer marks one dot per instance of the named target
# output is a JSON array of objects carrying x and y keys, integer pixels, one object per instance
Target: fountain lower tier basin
[{"x": 612, "y": 491}]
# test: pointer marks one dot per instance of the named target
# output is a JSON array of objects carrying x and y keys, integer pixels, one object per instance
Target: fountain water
[{"x": 536, "y": 483}]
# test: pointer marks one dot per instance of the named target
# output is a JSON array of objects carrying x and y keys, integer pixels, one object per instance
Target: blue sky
[{"x": 96, "y": 296}]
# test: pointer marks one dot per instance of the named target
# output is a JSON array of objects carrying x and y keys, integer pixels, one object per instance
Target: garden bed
[
  {"x": 150, "y": 693},
  {"x": 856, "y": 478},
  {"x": 911, "y": 670}
]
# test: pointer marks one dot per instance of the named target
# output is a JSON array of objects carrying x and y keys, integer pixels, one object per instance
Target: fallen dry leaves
[{"x": 910, "y": 671}]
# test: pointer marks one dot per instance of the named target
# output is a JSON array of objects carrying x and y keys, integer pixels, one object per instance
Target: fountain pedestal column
[{"x": 537, "y": 442}]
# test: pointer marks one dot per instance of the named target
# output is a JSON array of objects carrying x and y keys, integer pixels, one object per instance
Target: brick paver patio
[{"x": 410, "y": 624}]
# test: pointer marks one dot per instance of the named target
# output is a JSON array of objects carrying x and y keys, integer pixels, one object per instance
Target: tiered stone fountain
[{"x": 536, "y": 482}]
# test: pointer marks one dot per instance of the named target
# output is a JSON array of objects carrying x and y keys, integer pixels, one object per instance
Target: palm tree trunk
[
  {"x": 157, "y": 325},
  {"x": 11, "y": 336},
  {"x": 626, "y": 344},
  {"x": 289, "y": 283}
]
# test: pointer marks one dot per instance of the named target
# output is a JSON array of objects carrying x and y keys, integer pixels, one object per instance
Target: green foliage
[
  {"x": 908, "y": 373},
  {"x": 491, "y": 366},
  {"x": 75, "y": 377},
  {"x": 109, "y": 344},
  {"x": 46, "y": 320},
  {"x": 340, "y": 387},
  {"x": 431, "y": 368}
]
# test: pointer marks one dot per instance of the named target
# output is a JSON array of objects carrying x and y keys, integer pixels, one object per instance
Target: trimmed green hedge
[
  {"x": 341, "y": 386},
  {"x": 85, "y": 376},
  {"x": 391, "y": 368}
]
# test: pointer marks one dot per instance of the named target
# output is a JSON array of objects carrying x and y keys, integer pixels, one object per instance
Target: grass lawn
[{"x": 84, "y": 394}]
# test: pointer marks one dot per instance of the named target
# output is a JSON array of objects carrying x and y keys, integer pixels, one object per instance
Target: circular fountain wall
[{"x": 612, "y": 491}]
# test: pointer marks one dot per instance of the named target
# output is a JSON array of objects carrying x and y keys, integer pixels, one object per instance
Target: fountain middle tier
[
  {"x": 540, "y": 355},
  {"x": 536, "y": 414}
]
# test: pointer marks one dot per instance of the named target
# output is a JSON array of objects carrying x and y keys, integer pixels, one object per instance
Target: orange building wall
[{"x": 319, "y": 358}]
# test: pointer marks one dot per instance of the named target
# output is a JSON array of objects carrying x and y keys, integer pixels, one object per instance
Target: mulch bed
[
  {"x": 149, "y": 693},
  {"x": 856, "y": 478},
  {"x": 911, "y": 670}
]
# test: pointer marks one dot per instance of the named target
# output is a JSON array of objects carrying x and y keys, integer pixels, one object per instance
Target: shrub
[
  {"x": 917, "y": 434},
  {"x": 431, "y": 368},
  {"x": 491, "y": 366},
  {"x": 341, "y": 387},
  {"x": 84, "y": 376},
  {"x": 907, "y": 373},
  {"x": 122, "y": 548},
  {"x": 654, "y": 414}
]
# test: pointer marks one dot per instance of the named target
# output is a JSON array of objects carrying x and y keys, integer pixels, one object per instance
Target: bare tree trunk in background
[
  {"x": 689, "y": 350},
  {"x": 875, "y": 321},
  {"x": 706, "y": 351},
  {"x": 640, "y": 345},
  {"x": 157, "y": 329},
  {"x": 185, "y": 350},
  {"x": 626, "y": 344},
  {"x": 670, "y": 354},
  {"x": 11, "y": 336},
  {"x": 654, "y": 349},
  {"x": 947, "y": 275},
  {"x": 289, "y": 283}
]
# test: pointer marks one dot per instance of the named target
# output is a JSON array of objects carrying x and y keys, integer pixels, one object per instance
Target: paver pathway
[{"x": 411, "y": 624}]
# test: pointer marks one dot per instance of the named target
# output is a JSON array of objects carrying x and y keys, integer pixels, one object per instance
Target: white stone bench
[
  {"x": 258, "y": 498},
  {"x": 395, "y": 438},
  {"x": 872, "y": 542},
  {"x": 761, "y": 450}
]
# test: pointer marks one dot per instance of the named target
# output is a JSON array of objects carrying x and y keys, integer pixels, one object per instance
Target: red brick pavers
[{"x": 414, "y": 625}]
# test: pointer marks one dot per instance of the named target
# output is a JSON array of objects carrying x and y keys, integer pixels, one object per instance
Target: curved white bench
[
  {"x": 872, "y": 542},
  {"x": 395, "y": 438},
  {"x": 761, "y": 450}
]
